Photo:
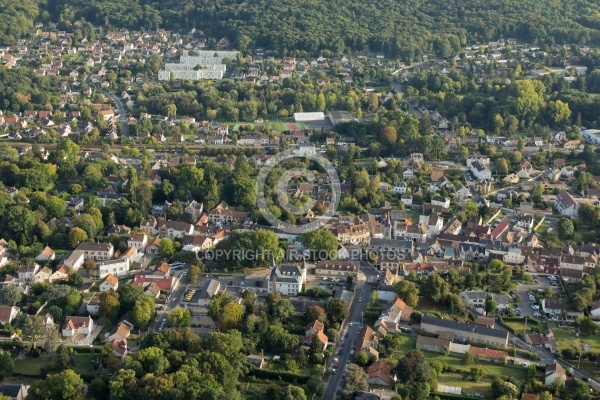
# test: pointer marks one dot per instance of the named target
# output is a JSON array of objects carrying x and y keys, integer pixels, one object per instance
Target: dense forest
[{"x": 399, "y": 28}]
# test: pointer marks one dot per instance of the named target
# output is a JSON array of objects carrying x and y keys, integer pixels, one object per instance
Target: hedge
[
  {"x": 11, "y": 344},
  {"x": 278, "y": 375}
]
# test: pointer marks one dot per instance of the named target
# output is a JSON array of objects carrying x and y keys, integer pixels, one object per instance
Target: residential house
[
  {"x": 75, "y": 203},
  {"x": 162, "y": 270},
  {"x": 352, "y": 233},
  {"x": 121, "y": 331},
  {"x": 337, "y": 268},
  {"x": 46, "y": 255},
  {"x": 96, "y": 251},
  {"x": 92, "y": 305},
  {"x": 286, "y": 279},
  {"x": 554, "y": 372},
  {"x": 43, "y": 275},
  {"x": 436, "y": 345},
  {"x": 153, "y": 248},
  {"x": 440, "y": 201},
  {"x": 26, "y": 273},
  {"x": 166, "y": 283},
  {"x": 399, "y": 187},
  {"x": 315, "y": 328},
  {"x": 119, "y": 267},
  {"x": 77, "y": 326},
  {"x": 7, "y": 314},
  {"x": 566, "y": 204},
  {"x": 379, "y": 373},
  {"x": 110, "y": 282},
  {"x": 175, "y": 229},
  {"x": 14, "y": 391},
  {"x": 480, "y": 172},
  {"x": 139, "y": 241},
  {"x": 257, "y": 361},
  {"x": 474, "y": 299},
  {"x": 490, "y": 355},
  {"x": 466, "y": 332},
  {"x": 395, "y": 313},
  {"x": 368, "y": 341},
  {"x": 224, "y": 215}
]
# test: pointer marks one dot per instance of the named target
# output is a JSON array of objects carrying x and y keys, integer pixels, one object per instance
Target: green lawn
[
  {"x": 566, "y": 338},
  {"x": 31, "y": 366},
  {"x": 490, "y": 369},
  {"x": 483, "y": 387},
  {"x": 426, "y": 306},
  {"x": 258, "y": 390},
  {"x": 519, "y": 326}
]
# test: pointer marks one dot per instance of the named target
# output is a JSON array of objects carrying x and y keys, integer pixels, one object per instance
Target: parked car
[{"x": 535, "y": 306}]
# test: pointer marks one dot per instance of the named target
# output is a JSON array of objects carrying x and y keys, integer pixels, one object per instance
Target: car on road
[
  {"x": 333, "y": 371},
  {"x": 335, "y": 366},
  {"x": 360, "y": 299},
  {"x": 335, "y": 359},
  {"x": 230, "y": 283}
]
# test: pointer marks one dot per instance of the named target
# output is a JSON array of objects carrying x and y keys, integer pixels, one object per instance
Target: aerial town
[{"x": 460, "y": 258}]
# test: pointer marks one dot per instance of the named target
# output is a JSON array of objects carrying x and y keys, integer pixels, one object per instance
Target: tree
[
  {"x": 502, "y": 166},
  {"x": 435, "y": 288},
  {"x": 230, "y": 316},
  {"x": 153, "y": 360},
  {"x": 490, "y": 305},
  {"x": 355, "y": 380},
  {"x": 143, "y": 311},
  {"x": 194, "y": 273},
  {"x": 322, "y": 243},
  {"x": 408, "y": 292},
  {"x": 249, "y": 301},
  {"x": 565, "y": 228},
  {"x": 502, "y": 388},
  {"x": 560, "y": 111},
  {"x": 361, "y": 358},
  {"x": 92, "y": 176},
  {"x": 10, "y": 295},
  {"x": 76, "y": 236},
  {"x": 476, "y": 373},
  {"x": 414, "y": 368},
  {"x": 587, "y": 326},
  {"x": 109, "y": 305},
  {"x": 469, "y": 358},
  {"x": 179, "y": 316},
  {"x": 51, "y": 340},
  {"x": 6, "y": 364},
  {"x": 337, "y": 310},
  {"x": 66, "y": 385},
  {"x": 388, "y": 135},
  {"x": 34, "y": 328},
  {"x": 121, "y": 385},
  {"x": 89, "y": 266},
  {"x": 166, "y": 247},
  {"x": 75, "y": 279},
  {"x": 315, "y": 313}
]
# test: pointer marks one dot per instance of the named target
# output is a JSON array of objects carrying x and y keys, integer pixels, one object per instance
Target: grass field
[
  {"x": 481, "y": 388},
  {"x": 490, "y": 369},
  {"x": 519, "y": 326},
  {"x": 31, "y": 366},
  {"x": 427, "y": 306},
  {"x": 258, "y": 390},
  {"x": 566, "y": 338}
]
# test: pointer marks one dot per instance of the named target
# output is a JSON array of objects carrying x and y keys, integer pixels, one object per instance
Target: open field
[
  {"x": 481, "y": 388},
  {"x": 567, "y": 338},
  {"x": 490, "y": 369},
  {"x": 31, "y": 366}
]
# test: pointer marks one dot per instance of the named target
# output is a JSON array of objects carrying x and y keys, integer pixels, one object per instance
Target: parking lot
[{"x": 530, "y": 304}]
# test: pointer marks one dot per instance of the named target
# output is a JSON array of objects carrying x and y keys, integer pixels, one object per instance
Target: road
[
  {"x": 118, "y": 103},
  {"x": 363, "y": 291},
  {"x": 172, "y": 302}
]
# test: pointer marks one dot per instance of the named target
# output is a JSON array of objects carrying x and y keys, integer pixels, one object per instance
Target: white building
[
  {"x": 566, "y": 204},
  {"x": 480, "y": 172},
  {"x": 286, "y": 279},
  {"x": 118, "y": 267}
]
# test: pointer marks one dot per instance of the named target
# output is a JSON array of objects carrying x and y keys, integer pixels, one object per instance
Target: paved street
[
  {"x": 355, "y": 315},
  {"x": 172, "y": 302},
  {"x": 118, "y": 104}
]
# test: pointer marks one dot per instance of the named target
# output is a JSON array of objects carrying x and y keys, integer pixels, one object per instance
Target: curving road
[{"x": 118, "y": 103}]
